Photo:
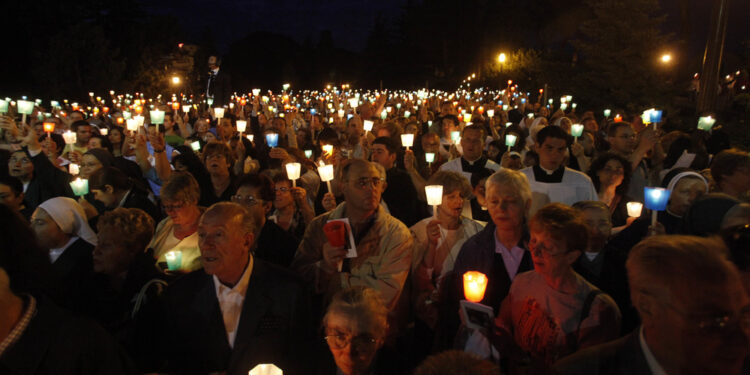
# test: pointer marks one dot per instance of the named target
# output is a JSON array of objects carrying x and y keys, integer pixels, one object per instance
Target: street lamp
[
  {"x": 502, "y": 58},
  {"x": 175, "y": 80},
  {"x": 666, "y": 58}
]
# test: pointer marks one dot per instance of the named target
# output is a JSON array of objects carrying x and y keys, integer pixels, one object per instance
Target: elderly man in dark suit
[
  {"x": 236, "y": 312},
  {"x": 695, "y": 314},
  {"x": 219, "y": 85}
]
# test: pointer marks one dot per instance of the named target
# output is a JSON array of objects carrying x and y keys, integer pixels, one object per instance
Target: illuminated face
[
  {"x": 224, "y": 246},
  {"x": 360, "y": 344},
  {"x": 685, "y": 192},
  {"x": 10, "y": 198},
  {"x": 552, "y": 153},
  {"x": 217, "y": 163},
  {"x": 550, "y": 255},
  {"x": 381, "y": 156},
  {"x": 431, "y": 144},
  {"x": 505, "y": 206},
  {"x": 83, "y": 134},
  {"x": 89, "y": 165},
  {"x": 472, "y": 144},
  {"x": 452, "y": 205},
  {"x": 283, "y": 197},
  {"x": 624, "y": 140},
  {"x": 20, "y": 166},
  {"x": 363, "y": 187},
  {"x": 611, "y": 174}
]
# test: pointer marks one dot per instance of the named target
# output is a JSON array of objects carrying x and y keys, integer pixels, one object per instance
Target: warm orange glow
[
  {"x": 475, "y": 284},
  {"x": 618, "y": 118},
  {"x": 138, "y": 109},
  {"x": 49, "y": 127},
  {"x": 175, "y": 105}
]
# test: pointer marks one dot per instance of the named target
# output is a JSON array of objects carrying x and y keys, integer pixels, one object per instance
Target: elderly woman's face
[
  {"x": 180, "y": 212},
  {"x": 506, "y": 207},
  {"x": 685, "y": 192},
  {"x": 353, "y": 346},
  {"x": 111, "y": 256},
  {"x": 452, "y": 205},
  {"x": 48, "y": 233},
  {"x": 89, "y": 165},
  {"x": 550, "y": 255}
]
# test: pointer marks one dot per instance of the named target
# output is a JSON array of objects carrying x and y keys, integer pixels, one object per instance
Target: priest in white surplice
[
  {"x": 551, "y": 181},
  {"x": 473, "y": 159}
]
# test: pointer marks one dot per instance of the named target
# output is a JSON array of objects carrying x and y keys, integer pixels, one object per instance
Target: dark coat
[
  {"x": 275, "y": 245},
  {"x": 73, "y": 270},
  {"x": 402, "y": 199},
  {"x": 221, "y": 88},
  {"x": 189, "y": 333},
  {"x": 623, "y": 356},
  {"x": 47, "y": 182},
  {"x": 139, "y": 199},
  {"x": 56, "y": 342},
  {"x": 477, "y": 254}
]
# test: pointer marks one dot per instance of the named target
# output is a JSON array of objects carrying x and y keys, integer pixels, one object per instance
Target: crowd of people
[{"x": 217, "y": 239}]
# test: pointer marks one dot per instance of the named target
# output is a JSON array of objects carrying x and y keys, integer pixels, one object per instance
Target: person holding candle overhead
[
  {"x": 83, "y": 134},
  {"x": 550, "y": 180},
  {"x": 235, "y": 313},
  {"x": 552, "y": 311},
  {"x": 292, "y": 212},
  {"x": 498, "y": 251},
  {"x": 383, "y": 244}
]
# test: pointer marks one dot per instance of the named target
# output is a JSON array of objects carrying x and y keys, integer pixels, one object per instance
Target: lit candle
[
  {"x": 174, "y": 260},
  {"x": 655, "y": 199},
  {"x": 706, "y": 123},
  {"x": 367, "y": 124},
  {"x": 341, "y": 113},
  {"x": 634, "y": 209},
  {"x": 74, "y": 169},
  {"x": 490, "y": 113},
  {"x": 157, "y": 117},
  {"x": 250, "y": 137},
  {"x": 429, "y": 157},
  {"x": 175, "y": 105},
  {"x": 407, "y": 140},
  {"x": 131, "y": 125},
  {"x": 25, "y": 108},
  {"x": 353, "y": 102},
  {"x": 272, "y": 139},
  {"x": 308, "y": 154},
  {"x": 576, "y": 130},
  {"x": 3, "y": 106},
  {"x": 407, "y": 114},
  {"x": 434, "y": 195},
  {"x": 326, "y": 174},
  {"x": 475, "y": 284},
  {"x": 256, "y": 92},
  {"x": 328, "y": 149},
  {"x": 126, "y": 115},
  {"x": 467, "y": 118},
  {"x": 69, "y": 137},
  {"x": 80, "y": 186},
  {"x": 196, "y": 146},
  {"x": 455, "y": 136},
  {"x": 293, "y": 171},
  {"x": 219, "y": 112},
  {"x": 139, "y": 120},
  {"x": 104, "y": 131},
  {"x": 618, "y": 118},
  {"x": 241, "y": 126},
  {"x": 49, "y": 127},
  {"x": 510, "y": 140},
  {"x": 607, "y": 112},
  {"x": 185, "y": 108},
  {"x": 266, "y": 369}
]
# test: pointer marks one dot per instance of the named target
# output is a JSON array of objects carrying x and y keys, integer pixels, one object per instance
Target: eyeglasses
[
  {"x": 365, "y": 182},
  {"x": 538, "y": 248},
  {"x": 361, "y": 342},
  {"x": 173, "y": 207},
  {"x": 282, "y": 189},
  {"x": 717, "y": 325},
  {"x": 247, "y": 201}
]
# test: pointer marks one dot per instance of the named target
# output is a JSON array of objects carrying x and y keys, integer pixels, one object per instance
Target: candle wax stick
[
  {"x": 653, "y": 217},
  {"x": 329, "y": 187}
]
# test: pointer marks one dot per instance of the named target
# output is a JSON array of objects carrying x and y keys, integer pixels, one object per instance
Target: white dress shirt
[
  {"x": 653, "y": 364},
  {"x": 231, "y": 300},
  {"x": 512, "y": 258}
]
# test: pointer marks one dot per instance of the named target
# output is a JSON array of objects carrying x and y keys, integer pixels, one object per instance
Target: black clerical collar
[
  {"x": 540, "y": 175},
  {"x": 474, "y": 166}
]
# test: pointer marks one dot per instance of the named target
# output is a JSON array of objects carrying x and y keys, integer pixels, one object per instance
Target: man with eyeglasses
[
  {"x": 273, "y": 244},
  {"x": 383, "y": 243},
  {"x": 694, "y": 310}
]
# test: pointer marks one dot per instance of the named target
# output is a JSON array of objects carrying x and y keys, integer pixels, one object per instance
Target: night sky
[{"x": 349, "y": 21}]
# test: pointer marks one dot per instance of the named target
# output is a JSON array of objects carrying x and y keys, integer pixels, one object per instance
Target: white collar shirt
[{"x": 231, "y": 301}]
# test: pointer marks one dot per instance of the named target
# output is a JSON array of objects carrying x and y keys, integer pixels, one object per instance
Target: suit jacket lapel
[
  {"x": 253, "y": 309},
  {"x": 207, "y": 305}
]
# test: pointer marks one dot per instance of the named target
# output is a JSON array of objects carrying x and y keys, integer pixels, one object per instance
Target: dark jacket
[
  {"x": 477, "y": 254},
  {"x": 189, "y": 333},
  {"x": 623, "y": 356},
  {"x": 56, "y": 342},
  {"x": 47, "y": 182},
  {"x": 220, "y": 87},
  {"x": 139, "y": 199},
  {"x": 73, "y": 270},
  {"x": 402, "y": 199},
  {"x": 275, "y": 245}
]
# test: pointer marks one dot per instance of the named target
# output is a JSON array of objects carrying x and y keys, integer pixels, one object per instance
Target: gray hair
[
  {"x": 515, "y": 179},
  {"x": 230, "y": 211},
  {"x": 363, "y": 304}
]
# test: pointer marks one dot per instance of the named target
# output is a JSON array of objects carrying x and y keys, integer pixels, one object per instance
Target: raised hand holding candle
[
  {"x": 634, "y": 209},
  {"x": 131, "y": 125},
  {"x": 407, "y": 140},
  {"x": 174, "y": 260},
  {"x": 576, "y": 130},
  {"x": 157, "y": 118},
  {"x": 367, "y": 124},
  {"x": 434, "y": 195},
  {"x": 219, "y": 112},
  {"x": 49, "y": 127},
  {"x": 293, "y": 171},
  {"x": 510, "y": 140},
  {"x": 25, "y": 108},
  {"x": 3, "y": 106},
  {"x": 80, "y": 186},
  {"x": 655, "y": 199},
  {"x": 475, "y": 284}
]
